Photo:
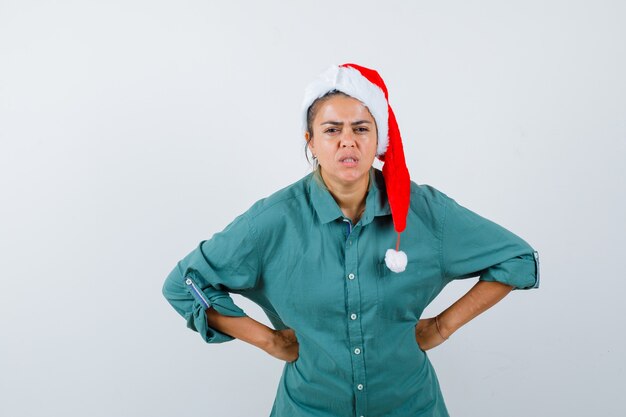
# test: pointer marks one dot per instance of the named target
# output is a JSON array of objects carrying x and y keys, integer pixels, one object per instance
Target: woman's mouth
[{"x": 349, "y": 162}]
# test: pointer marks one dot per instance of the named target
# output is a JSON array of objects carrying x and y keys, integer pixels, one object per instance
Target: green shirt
[{"x": 296, "y": 255}]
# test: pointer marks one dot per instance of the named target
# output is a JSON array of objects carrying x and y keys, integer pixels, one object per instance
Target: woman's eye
[
  {"x": 331, "y": 130},
  {"x": 362, "y": 129}
]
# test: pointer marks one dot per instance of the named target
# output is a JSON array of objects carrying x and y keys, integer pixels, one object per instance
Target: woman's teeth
[{"x": 349, "y": 160}]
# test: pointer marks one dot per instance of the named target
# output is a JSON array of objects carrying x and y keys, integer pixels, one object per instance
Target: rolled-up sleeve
[
  {"x": 472, "y": 245},
  {"x": 202, "y": 279}
]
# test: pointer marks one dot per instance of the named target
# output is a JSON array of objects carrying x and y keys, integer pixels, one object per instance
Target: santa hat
[{"x": 367, "y": 86}]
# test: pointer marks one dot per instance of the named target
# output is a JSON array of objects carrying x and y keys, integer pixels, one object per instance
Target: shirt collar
[{"x": 376, "y": 203}]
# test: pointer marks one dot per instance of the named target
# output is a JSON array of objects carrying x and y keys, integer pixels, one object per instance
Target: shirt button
[
  {"x": 350, "y": 242},
  {"x": 357, "y": 351},
  {"x": 359, "y": 387},
  {"x": 351, "y": 276},
  {"x": 188, "y": 281},
  {"x": 353, "y": 316}
]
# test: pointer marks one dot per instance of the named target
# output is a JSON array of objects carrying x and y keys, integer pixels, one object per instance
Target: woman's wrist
[
  {"x": 266, "y": 339},
  {"x": 444, "y": 327},
  {"x": 439, "y": 328}
]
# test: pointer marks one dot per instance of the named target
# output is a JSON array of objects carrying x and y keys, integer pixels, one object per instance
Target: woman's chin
[
  {"x": 352, "y": 175},
  {"x": 346, "y": 175}
]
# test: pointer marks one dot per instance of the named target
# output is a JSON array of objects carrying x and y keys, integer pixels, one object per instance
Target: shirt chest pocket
[{"x": 404, "y": 295}]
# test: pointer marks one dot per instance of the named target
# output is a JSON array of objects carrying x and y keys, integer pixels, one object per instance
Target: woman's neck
[{"x": 349, "y": 197}]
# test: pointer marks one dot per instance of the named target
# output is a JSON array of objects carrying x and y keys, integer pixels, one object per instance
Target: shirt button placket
[{"x": 354, "y": 326}]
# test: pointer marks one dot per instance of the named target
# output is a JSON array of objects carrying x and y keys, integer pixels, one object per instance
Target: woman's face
[{"x": 344, "y": 140}]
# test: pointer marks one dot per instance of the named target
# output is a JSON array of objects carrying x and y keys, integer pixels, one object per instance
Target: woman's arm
[
  {"x": 471, "y": 246},
  {"x": 281, "y": 344},
  {"x": 478, "y": 299}
]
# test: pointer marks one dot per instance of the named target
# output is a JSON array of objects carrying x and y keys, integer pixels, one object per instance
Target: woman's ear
[{"x": 309, "y": 141}]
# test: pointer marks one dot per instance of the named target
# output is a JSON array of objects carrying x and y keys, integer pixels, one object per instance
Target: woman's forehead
[{"x": 342, "y": 108}]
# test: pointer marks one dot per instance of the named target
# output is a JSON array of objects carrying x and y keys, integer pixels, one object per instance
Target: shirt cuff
[
  {"x": 197, "y": 320},
  {"x": 521, "y": 272},
  {"x": 536, "y": 256}
]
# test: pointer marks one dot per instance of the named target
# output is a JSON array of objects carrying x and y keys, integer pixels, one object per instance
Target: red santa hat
[{"x": 367, "y": 86}]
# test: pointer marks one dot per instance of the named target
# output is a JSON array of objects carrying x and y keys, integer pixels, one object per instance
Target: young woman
[{"x": 324, "y": 259}]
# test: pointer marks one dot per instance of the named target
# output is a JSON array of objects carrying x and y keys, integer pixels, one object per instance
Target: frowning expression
[{"x": 344, "y": 139}]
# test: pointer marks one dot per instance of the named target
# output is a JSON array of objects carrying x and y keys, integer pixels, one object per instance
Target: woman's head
[
  {"x": 342, "y": 135},
  {"x": 355, "y": 81}
]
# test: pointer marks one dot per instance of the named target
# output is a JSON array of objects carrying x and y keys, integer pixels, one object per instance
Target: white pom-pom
[{"x": 395, "y": 260}]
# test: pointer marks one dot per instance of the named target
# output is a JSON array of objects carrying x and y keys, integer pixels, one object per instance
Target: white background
[{"x": 131, "y": 130}]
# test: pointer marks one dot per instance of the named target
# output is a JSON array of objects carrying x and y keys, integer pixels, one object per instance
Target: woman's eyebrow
[{"x": 334, "y": 123}]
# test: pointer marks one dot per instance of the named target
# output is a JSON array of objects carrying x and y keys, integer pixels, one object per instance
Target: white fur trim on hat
[{"x": 350, "y": 81}]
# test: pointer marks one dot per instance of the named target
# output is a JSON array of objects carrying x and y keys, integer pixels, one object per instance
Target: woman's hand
[
  {"x": 427, "y": 335},
  {"x": 284, "y": 345}
]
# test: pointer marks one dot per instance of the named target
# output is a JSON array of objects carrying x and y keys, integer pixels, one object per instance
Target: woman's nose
[{"x": 347, "y": 139}]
